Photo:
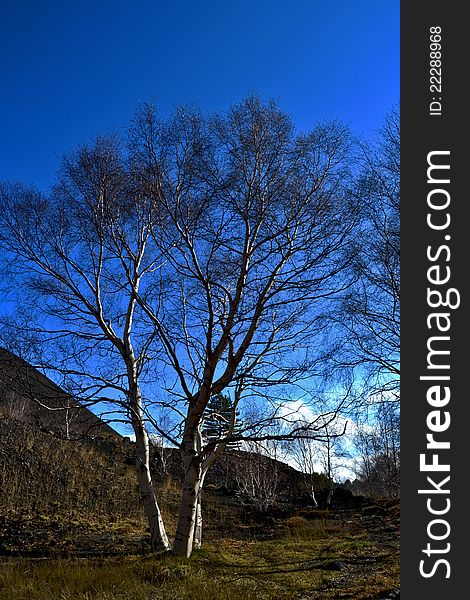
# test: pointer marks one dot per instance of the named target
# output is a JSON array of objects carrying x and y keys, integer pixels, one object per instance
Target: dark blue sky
[{"x": 73, "y": 69}]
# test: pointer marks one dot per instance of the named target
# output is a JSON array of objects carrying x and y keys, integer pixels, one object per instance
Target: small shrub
[{"x": 296, "y": 522}]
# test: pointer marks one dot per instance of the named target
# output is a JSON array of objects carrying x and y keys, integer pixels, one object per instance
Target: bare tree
[
  {"x": 163, "y": 450},
  {"x": 256, "y": 473},
  {"x": 305, "y": 453},
  {"x": 14, "y": 404},
  {"x": 332, "y": 453},
  {"x": 370, "y": 313},
  {"x": 207, "y": 251},
  {"x": 78, "y": 256},
  {"x": 378, "y": 446},
  {"x": 256, "y": 240},
  {"x": 327, "y": 455}
]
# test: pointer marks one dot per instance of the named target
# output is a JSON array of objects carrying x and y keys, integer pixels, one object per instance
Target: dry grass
[
  {"x": 40, "y": 473},
  {"x": 313, "y": 559}
]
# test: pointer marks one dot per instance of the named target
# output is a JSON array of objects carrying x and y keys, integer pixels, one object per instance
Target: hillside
[
  {"x": 43, "y": 473},
  {"x": 29, "y": 396},
  {"x": 59, "y": 496}
]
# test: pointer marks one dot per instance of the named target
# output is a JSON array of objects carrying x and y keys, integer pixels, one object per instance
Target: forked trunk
[{"x": 189, "y": 527}]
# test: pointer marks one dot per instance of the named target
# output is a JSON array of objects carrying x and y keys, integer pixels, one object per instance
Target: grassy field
[{"x": 322, "y": 558}]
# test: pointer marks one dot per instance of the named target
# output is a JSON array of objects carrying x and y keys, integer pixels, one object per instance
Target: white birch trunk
[
  {"x": 67, "y": 423},
  {"x": 189, "y": 527},
  {"x": 198, "y": 525},
  {"x": 185, "y": 530},
  {"x": 197, "y": 543},
  {"x": 312, "y": 496},
  {"x": 158, "y": 537}
]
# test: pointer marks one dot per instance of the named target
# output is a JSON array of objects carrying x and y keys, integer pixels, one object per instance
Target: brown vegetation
[{"x": 72, "y": 527}]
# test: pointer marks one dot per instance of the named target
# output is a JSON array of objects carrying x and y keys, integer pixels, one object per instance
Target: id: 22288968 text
[{"x": 435, "y": 71}]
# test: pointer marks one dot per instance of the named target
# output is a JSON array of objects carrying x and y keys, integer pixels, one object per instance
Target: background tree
[
  {"x": 218, "y": 417},
  {"x": 257, "y": 473},
  {"x": 326, "y": 456},
  {"x": 370, "y": 313},
  {"x": 332, "y": 452},
  {"x": 305, "y": 453},
  {"x": 378, "y": 446}
]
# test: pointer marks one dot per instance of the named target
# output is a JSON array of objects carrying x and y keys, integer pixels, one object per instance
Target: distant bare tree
[
  {"x": 257, "y": 473},
  {"x": 306, "y": 454},
  {"x": 370, "y": 313},
  {"x": 15, "y": 404},
  {"x": 326, "y": 455},
  {"x": 332, "y": 452},
  {"x": 160, "y": 444},
  {"x": 378, "y": 446}
]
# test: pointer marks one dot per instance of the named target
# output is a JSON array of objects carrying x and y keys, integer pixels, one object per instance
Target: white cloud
[{"x": 343, "y": 465}]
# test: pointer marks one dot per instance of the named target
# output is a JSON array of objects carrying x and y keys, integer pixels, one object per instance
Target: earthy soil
[{"x": 40, "y": 535}]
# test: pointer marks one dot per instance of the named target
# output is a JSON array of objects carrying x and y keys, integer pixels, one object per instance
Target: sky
[{"x": 71, "y": 70}]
